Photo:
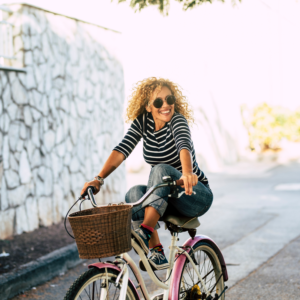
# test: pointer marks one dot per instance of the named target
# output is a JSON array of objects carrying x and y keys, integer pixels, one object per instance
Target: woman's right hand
[{"x": 95, "y": 183}]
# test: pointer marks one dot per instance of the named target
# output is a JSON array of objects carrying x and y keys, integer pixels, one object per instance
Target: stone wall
[{"x": 59, "y": 121}]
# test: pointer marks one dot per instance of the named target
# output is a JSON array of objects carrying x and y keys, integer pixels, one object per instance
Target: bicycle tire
[
  {"x": 209, "y": 267},
  {"x": 87, "y": 285}
]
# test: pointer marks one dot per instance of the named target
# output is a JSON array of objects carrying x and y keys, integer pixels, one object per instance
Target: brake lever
[{"x": 178, "y": 195}]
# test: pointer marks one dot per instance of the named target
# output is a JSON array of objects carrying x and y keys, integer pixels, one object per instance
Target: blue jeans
[{"x": 188, "y": 206}]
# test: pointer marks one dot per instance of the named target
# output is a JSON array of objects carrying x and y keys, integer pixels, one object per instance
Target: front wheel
[
  {"x": 209, "y": 267},
  {"x": 92, "y": 285}
]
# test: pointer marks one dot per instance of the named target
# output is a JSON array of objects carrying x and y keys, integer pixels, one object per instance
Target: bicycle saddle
[{"x": 180, "y": 221}]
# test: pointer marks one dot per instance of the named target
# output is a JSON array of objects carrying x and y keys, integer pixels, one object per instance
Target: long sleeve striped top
[{"x": 162, "y": 146}]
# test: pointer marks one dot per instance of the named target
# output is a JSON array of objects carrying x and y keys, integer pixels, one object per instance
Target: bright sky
[{"x": 233, "y": 52}]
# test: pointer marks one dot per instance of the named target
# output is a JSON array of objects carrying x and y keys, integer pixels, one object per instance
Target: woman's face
[{"x": 165, "y": 113}]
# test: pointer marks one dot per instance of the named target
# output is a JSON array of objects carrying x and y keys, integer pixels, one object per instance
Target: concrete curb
[{"x": 39, "y": 271}]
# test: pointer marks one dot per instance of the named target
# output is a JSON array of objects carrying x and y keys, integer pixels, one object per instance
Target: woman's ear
[{"x": 148, "y": 109}]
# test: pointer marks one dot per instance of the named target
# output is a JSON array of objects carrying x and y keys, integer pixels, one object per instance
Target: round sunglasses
[{"x": 158, "y": 102}]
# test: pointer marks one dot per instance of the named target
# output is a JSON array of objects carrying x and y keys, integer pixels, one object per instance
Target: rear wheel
[
  {"x": 92, "y": 285},
  {"x": 209, "y": 267}
]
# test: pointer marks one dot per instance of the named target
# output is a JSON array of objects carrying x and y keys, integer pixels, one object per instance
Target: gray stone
[
  {"x": 24, "y": 170},
  {"x": 7, "y": 223},
  {"x": 45, "y": 211},
  {"x": 74, "y": 165},
  {"x": 21, "y": 220},
  {"x": 32, "y": 211}
]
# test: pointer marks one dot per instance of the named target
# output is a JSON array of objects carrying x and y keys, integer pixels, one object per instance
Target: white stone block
[
  {"x": 74, "y": 165},
  {"x": 12, "y": 110},
  {"x": 28, "y": 58},
  {"x": 23, "y": 131},
  {"x": 30, "y": 84},
  {"x": 16, "y": 196},
  {"x": 49, "y": 140},
  {"x": 4, "y": 200},
  {"x": 21, "y": 220},
  {"x": 36, "y": 114},
  {"x": 18, "y": 92},
  {"x": 57, "y": 203},
  {"x": 24, "y": 170},
  {"x": 65, "y": 178},
  {"x": 59, "y": 134},
  {"x": 4, "y": 122},
  {"x": 48, "y": 182},
  {"x": 6, "y": 95},
  {"x": 7, "y": 223},
  {"x": 14, "y": 165},
  {"x": 5, "y": 153},
  {"x": 35, "y": 136},
  {"x": 45, "y": 211},
  {"x": 31, "y": 206},
  {"x": 12, "y": 178},
  {"x": 27, "y": 116},
  {"x": 56, "y": 165}
]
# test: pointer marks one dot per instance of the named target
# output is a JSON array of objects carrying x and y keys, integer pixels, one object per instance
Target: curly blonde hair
[{"x": 142, "y": 92}]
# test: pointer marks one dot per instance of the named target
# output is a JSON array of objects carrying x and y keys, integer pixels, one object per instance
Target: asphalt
[{"x": 256, "y": 225}]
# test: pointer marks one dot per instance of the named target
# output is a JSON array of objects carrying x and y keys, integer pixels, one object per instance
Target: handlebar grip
[
  {"x": 86, "y": 191},
  {"x": 179, "y": 182}
]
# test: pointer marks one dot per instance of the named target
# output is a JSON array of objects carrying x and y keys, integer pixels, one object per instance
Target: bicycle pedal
[{"x": 158, "y": 297}]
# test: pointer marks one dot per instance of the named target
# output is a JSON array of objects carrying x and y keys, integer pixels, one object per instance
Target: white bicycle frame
[{"x": 127, "y": 260}]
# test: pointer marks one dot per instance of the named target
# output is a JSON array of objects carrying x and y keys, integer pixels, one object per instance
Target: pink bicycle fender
[
  {"x": 103, "y": 265},
  {"x": 176, "y": 277}
]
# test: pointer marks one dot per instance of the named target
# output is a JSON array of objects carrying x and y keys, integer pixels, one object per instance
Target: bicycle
[{"x": 197, "y": 269}]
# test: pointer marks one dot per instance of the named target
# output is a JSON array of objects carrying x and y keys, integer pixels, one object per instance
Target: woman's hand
[
  {"x": 94, "y": 183},
  {"x": 190, "y": 180}
]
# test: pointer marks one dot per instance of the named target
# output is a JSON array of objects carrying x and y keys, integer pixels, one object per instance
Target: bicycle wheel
[
  {"x": 209, "y": 267},
  {"x": 92, "y": 285}
]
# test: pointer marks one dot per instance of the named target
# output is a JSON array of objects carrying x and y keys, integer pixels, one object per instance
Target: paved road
[{"x": 255, "y": 221}]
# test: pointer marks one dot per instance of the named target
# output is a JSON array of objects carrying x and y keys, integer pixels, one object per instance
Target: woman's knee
[{"x": 135, "y": 193}]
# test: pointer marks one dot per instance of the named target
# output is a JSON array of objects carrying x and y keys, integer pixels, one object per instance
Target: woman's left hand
[{"x": 190, "y": 180}]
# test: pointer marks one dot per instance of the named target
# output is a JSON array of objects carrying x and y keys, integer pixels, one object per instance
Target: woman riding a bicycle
[{"x": 160, "y": 114}]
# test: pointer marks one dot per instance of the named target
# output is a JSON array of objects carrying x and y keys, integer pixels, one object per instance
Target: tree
[{"x": 164, "y": 5}]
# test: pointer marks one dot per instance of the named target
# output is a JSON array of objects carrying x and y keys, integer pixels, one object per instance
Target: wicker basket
[{"x": 102, "y": 231}]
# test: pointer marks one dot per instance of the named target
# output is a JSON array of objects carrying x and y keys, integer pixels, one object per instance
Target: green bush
[{"x": 268, "y": 125}]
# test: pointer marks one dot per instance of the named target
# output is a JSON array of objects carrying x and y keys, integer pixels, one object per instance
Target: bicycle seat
[{"x": 180, "y": 221}]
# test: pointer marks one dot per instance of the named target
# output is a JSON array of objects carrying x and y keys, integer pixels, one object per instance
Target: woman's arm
[
  {"x": 190, "y": 179},
  {"x": 112, "y": 163}
]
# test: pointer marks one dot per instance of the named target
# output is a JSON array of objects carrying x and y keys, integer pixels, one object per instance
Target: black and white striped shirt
[{"x": 162, "y": 146}]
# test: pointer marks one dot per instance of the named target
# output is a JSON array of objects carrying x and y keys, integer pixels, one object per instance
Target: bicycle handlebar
[{"x": 90, "y": 192}]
